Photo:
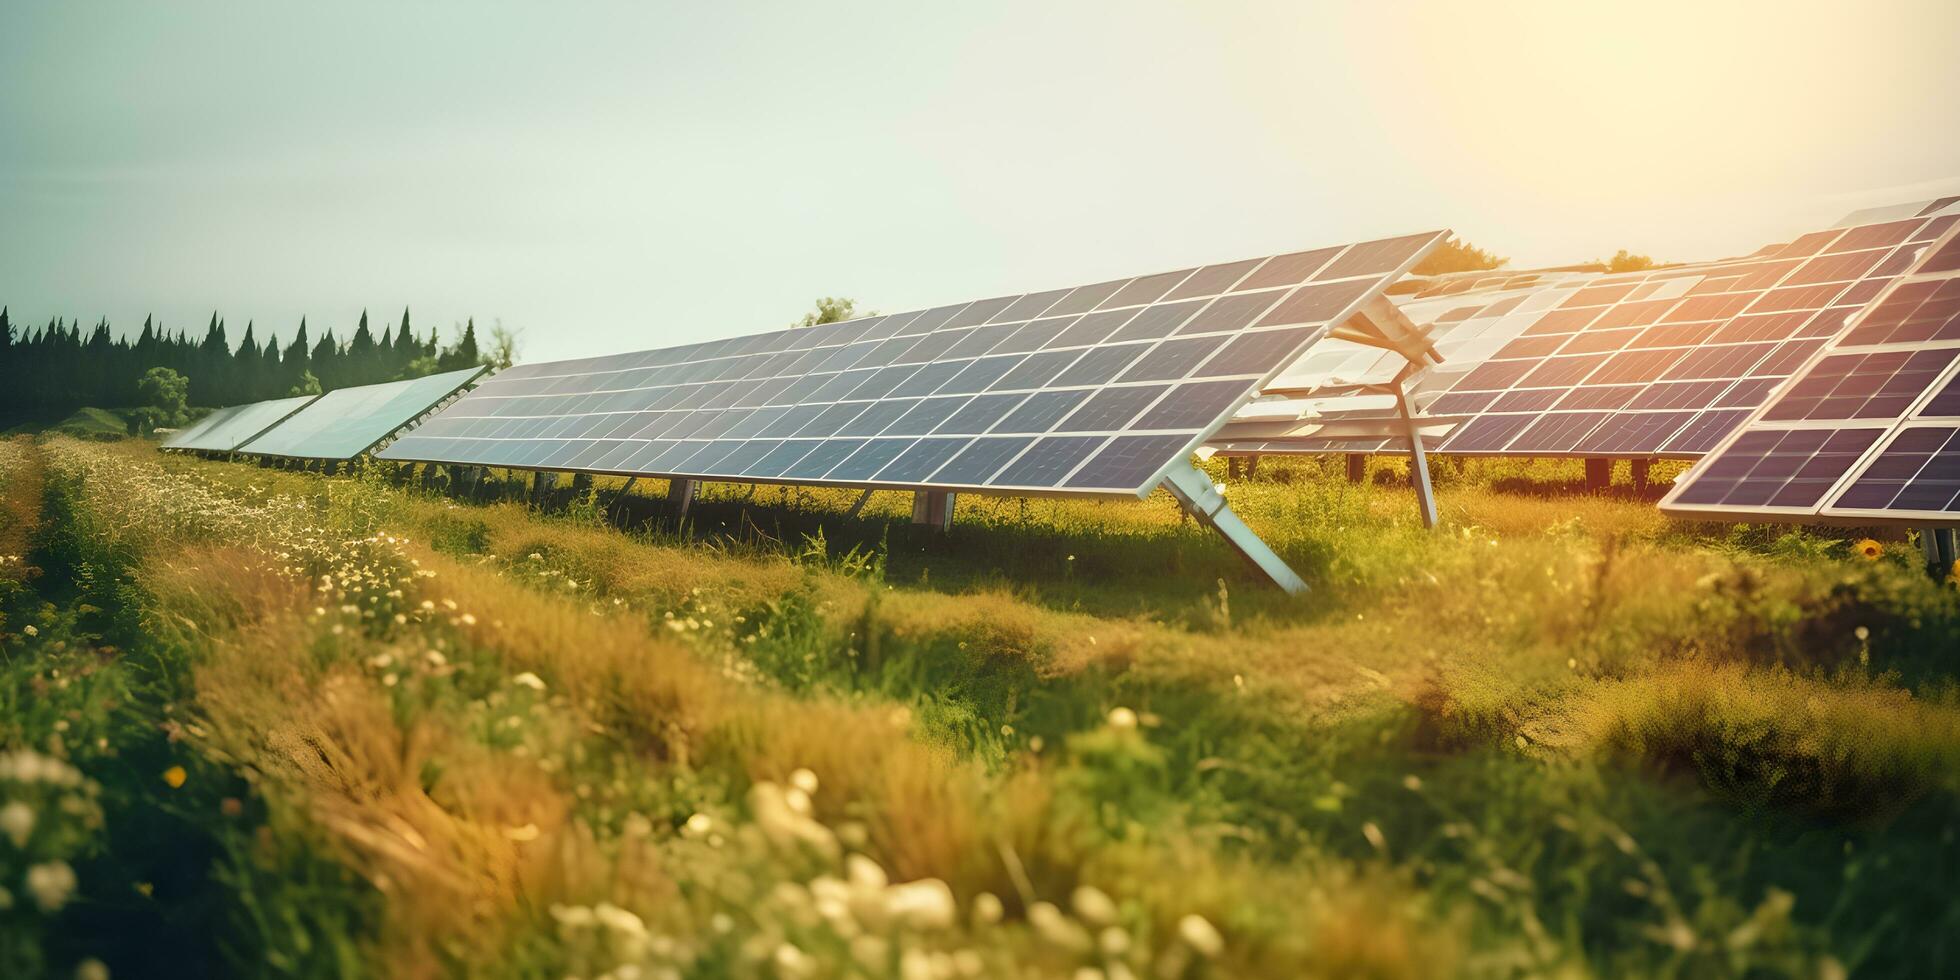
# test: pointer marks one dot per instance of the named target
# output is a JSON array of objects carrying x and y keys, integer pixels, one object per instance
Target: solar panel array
[
  {"x": 1093, "y": 390},
  {"x": 1651, "y": 364},
  {"x": 1669, "y": 362},
  {"x": 1467, "y": 324},
  {"x": 1867, "y": 431},
  {"x": 347, "y": 422},
  {"x": 226, "y": 429}
]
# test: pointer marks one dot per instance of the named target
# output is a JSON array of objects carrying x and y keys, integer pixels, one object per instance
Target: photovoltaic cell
[{"x": 1062, "y": 391}]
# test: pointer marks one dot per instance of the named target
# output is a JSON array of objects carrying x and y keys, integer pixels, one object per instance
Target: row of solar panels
[
  {"x": 337, "y": 426},
  {"x": 1100, "y": 389},
  {"x": 1660, "y": 363},
  {"x": 1097, "y": 389}
]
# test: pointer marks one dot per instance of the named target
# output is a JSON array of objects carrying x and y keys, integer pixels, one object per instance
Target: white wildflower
[
  {"x": 924, "y": 904},
  {"x": 1200, "y": 935},
  {"x": 17, "y": 822},
  {"x": 51, "y": 884}
]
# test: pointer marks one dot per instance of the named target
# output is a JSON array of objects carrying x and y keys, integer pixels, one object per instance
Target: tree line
[{"x": 59, "y": 367}]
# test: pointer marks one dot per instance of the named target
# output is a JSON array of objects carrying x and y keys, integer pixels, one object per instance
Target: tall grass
[{"x": 1561, "y": 736}]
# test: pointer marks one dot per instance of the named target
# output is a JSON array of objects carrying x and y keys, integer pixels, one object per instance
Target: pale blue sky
[{"x": 614, "y": 177}]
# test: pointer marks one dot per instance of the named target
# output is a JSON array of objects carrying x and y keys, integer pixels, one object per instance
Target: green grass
[
  {"x": 1560, "y": 735},
  {"x": 85, "y": 423}
]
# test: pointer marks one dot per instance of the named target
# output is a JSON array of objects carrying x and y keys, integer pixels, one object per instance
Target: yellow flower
[
  {"x": 1869, "y": 549},
  {"x": 174, "y": 776}
]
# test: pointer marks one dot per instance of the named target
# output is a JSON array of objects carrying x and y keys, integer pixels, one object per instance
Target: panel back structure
[
  {"x": 348, "y": 422},
  {"x": 226, "y": 429},
  {"x": 1865, "y": 432},
  {"x": 1656, "y": 364},
  {"x": 1092, "y": 390}
]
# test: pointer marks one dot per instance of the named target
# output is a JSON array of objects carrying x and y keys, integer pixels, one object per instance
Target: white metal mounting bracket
[{"x": 1196, "y": 494}]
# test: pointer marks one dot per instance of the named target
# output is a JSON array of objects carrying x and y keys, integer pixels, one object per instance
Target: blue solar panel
[{"x": 1094, "y": 390}]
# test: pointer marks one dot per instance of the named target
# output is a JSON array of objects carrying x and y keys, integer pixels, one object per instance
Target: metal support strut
[
  {"x": 680, "y": 498},
  {"x": 933, "y": 508},
  {"x": 1196, "y": 494},
  {"x": 1941, "y": 546},
  {"x": 1418, "y": 459}
]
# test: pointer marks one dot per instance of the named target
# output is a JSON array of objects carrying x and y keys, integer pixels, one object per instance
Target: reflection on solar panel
[
  {"x": 228, "y": 428},
  {"x": 346, "y": 422},
  {"x": 1865, "y": 431},
  {"x": 1664, "y": 363},
  {"x": 1659, "y": 363},
  {"x": 1094, "y": 390}
]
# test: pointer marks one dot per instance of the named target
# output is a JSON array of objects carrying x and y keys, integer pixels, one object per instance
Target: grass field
[{"x": 260, "y": 721}]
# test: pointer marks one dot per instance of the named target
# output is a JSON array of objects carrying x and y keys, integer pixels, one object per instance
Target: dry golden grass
[{"x": 1586, "y": 628}]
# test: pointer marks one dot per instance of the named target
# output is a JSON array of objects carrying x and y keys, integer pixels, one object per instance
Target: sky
[{"x": 612, "y": 177}]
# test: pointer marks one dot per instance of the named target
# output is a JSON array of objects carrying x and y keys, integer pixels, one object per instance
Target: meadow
[{"x": 258, "y": 721}]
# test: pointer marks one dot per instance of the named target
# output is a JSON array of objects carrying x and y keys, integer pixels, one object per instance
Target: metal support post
[
  {"x": 857, "y": 506},
  {"x": 1639, "y": 469},
  {"x": 1196, "y": 494},
  {"x": 1418, "y": 460},
  {"x": 1599, "y": 474},
  {"x": 542, "y": 484},
  {"x": 1941, "y": 548},
  {"x": 1357, "y": 467},
  {"x": 680, "y": 497},
  {"x": 933, "y": 508}
]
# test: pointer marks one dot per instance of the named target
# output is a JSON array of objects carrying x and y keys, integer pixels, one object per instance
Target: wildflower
[
  {"x": 1122, "y": 719},
  {"x": 528, "y": 832},
  {"x": 29, "y": 630},
  {"x": 1093, "y": 905},
  {"x": 1869, "y": 550},
  {"x": 17, "y": 822},
  {"x": 528, "y": 679},
  {"x": 51, "y": 884},
  {"x": 1374, "y": 835},
  {"x": 924, "y": 904},
  {"x": 793, "y": 962},
  {"x": 1200, "y": 935},
  {"x": 804, "y": 780},
  {"x": 987, "y": 909},
  {"x": 91, "y": 969},
  {"x": 574, "y": 916},
  {"x": 174, "y": 777},
  {"x": 1058, "y": 929}
]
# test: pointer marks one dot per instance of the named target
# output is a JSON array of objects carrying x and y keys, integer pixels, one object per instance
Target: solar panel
[
  {"x": 1662, "y": 363},
  {"x": 1097, "y": 389},
  {"x": 226, "y": 429},
  {"x": 346, "y": 422},
  {"x": 1880, "y": 406},
  {"x": 1638, "y": 365}
]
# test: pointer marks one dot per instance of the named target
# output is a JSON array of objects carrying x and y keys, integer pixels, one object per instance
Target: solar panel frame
[
  {"x": 1179, "y": 358},
  {"x": 404, "y": 402},
  {"x": 228, "y": 428}
]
